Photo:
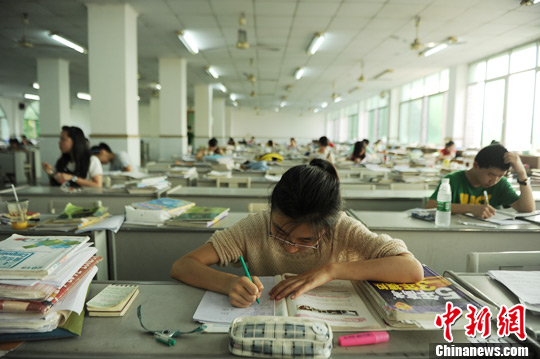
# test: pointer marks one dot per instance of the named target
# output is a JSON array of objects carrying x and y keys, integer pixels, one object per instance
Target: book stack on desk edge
[
  {"x": 407, "y": 305},
  {"x": 45, "y": 285},
  {"x": 113, "y": 301},
  {"x": 157, "y": 211},
  {"x": 75, "y": 217},
  {"x": 149, "y": 185},
  {"x": 199, "y": 217}
]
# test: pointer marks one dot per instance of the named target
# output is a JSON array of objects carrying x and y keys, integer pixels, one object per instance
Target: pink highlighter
[{"x": 363, "y": 338}]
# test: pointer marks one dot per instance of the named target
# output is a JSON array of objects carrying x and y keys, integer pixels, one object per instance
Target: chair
[
  {"x": 256, "y": 207},
  {"x": 409, "y": 186},
  {"x": 234, "y": 182},
  {"x": 59, "y": 206},
  {"x": 481, "y": 262}
]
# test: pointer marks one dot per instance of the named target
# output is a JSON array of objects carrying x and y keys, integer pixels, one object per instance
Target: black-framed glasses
[{"x": 299, "y": 246}]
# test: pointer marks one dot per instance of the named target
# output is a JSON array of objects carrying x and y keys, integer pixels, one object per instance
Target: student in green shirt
[{"x": 487, "y": 174}]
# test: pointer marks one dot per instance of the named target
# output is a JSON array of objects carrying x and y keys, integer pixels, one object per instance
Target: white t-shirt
[
  {"x": 327, "y": 155},
  {"x": 93, "y": 170}
]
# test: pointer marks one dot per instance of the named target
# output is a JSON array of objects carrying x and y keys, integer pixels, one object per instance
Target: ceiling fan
[
  {"x": 25, "y": 43},
  {"x": 242, "y": 41}
]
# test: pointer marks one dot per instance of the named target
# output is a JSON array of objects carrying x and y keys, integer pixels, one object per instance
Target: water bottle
[{"x": 444, "y": 204}]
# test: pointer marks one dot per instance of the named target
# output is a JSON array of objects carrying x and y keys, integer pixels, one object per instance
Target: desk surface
[
  {"x": 402, "y": 221},
  {"x": 171, "y": 306},
  {"x": 48, "y": 191}
]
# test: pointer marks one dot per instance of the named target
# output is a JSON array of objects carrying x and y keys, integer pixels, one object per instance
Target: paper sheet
[
  {"x": 75, "y": 298},
  {"x": 110, "y": 223},
  {"x": 524, "y": 284}
]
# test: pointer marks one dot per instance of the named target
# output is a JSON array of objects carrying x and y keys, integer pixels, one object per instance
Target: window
[
  {"x": 493, "y": 112},
  {"x": 435, "y": 119},
  {"x": 31, "y": 121},
  {"x": 4, "y": 126},
  {"x": 497, "y": 66},
  {"x": 519, "y": 112}
]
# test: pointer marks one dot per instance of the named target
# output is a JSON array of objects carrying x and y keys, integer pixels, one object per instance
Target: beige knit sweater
[{"x": 352, "y": 241}]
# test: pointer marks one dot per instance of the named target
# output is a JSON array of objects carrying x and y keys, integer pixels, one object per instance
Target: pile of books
[
  {"x": 43, "y": 285},
  {"x": 113, "y": 301},
  {"x": 5, "y": 218},
  {"x": 156, "y": 211},
  {"x": 149, "y": 185},
  {"x": 75, "y": 217},
  {"x": 182, "y": 172},
  {"x": 201, "y": 217},
  {"x": 415, "y": 305}
]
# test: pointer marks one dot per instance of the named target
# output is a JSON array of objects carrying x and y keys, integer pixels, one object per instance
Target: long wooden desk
[
  {"x": 41, "y": 196},
  {"x": 147, "y": 253},
  {"x": 446, "y": 248},
  {"x": 170, "y": 305},
  {"x": 384, "y": 200}
]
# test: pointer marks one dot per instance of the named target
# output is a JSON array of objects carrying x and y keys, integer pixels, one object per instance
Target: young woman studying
[
  {"x": 76, "y": 164},
  {"x": 304, "y": 232}
]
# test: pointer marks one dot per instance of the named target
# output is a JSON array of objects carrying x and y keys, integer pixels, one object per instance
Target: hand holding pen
[{"x": 246, "y": 289}]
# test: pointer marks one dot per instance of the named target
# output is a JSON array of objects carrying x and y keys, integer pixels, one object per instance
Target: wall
[{"x": 278, "y": 126}]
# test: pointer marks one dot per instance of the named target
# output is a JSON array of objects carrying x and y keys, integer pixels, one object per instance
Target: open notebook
[
  {"x": 338, "y": 303},
  {"x": 502, "y": 217}
]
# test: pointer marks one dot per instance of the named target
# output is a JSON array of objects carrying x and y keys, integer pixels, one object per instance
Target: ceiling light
[
  {"x": 315, "y": 110},
  {"x": 138, "y": 98},
  {"x": 337, "y": 98},
  {"x": 156, "y": 86},
  {"x": 67, "y": 43},
  {"x": 433, "y": 50},
  {"x": 233, "y": 97},
  {"x": 276, "y": 109},
  {"x": 188, "y": 42},
  {"x": 529, "y": 2},
  {"x": 84, "y": 96},
  {"x": 235, "y": 103},
  {"x": 212, "y": 72},
  {"x": 35, "y": 85},
  {"x": 282, "y": 104},
  {"x": 298, "y": 74},
  {"x": 315, "y": 43},
  {"x": 324, "y": 104},
  {"x": 31, "y": 96},
  {"x": 221, "y": 87}
]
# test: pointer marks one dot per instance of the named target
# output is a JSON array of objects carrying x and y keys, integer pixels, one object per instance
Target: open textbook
[
  {"x": 502, "y": 217},
  {"x": 337, "y": 302}
]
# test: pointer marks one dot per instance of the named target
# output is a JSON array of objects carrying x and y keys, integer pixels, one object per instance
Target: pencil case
[{"x": 280, "y": 337}]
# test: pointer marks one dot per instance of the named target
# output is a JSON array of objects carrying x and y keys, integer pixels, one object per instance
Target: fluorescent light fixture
[
  {"x": 315, "y": 43},
  {"x": 324, "y": 104},
  {"x": 233, "y": 97},
  {"x": 282, "y": 104},
  {"x": 434, "y": 50},
  {"x": 276, "y": 109},
  {"x": 138, "y": 98},
  {"x": 299, "y": 73},
  {"x": 84, "y": 96},
  {"x": 235, "y": 103},
  {"x": 212, "y": 72},
  {"x": 31, "y": 96},
  {"x": 188, "y": 42},
  {"x": 35, "y": 85},
  {"x": 338, "y": 99},
  {"x": 157, "y": 86},
  {"x": 67, "y": 43},
  {"x": 221, "y": 87},
  {"x": 315, "y": 110}
]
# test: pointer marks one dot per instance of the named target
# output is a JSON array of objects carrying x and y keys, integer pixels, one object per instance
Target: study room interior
[{"x": 139, "y": 136}]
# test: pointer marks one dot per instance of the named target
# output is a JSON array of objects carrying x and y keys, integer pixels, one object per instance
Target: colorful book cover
[
  {"x": 74, "y": 214},
  {"x": 34, "y": 257},
  {"x": 14, "y": 306},
  {"x": 164, "y": 204},
  {"x": 202, "y": 214},
  {"x": 415, "y": 301}
]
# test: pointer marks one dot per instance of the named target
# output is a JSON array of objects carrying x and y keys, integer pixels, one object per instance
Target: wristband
[
  {"x": 524, "y": 182},
  {"x": 74, "y": 179}
]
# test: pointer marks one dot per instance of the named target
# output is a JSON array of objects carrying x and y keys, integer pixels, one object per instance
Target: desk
[
  {"x": 384, "y": 200},
  {"x": 41, "y": 196},
  {"x": 171, "y": 305},
  {"x": 147, "y": 253},
  {"x": 237, "y": 199},
  {"x": 447, "y": 248},
  {"x": 256, "y": 181}
]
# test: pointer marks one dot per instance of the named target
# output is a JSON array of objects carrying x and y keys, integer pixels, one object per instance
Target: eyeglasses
[{"x": 299, "y": 246}]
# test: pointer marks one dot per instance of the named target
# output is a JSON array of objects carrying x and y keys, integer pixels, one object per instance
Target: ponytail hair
[
  {"x": 80, "y": 153},
  {"x": 309, "y": 194}
]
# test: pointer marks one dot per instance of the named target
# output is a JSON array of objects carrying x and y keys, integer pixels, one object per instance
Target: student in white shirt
[
  {"x": 76, "y": 165},
  {"x": 324, "y": 152}
]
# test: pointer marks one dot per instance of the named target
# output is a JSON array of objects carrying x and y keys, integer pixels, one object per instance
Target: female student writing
[
  {"x": 304, "y": 232},
  {"x": 76, "y": 164}
]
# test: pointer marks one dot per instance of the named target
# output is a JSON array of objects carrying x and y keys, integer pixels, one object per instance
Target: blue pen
[{"x": 247, "y": 273}]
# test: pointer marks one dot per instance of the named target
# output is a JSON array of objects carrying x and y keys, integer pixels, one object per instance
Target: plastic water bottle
[{"x": 444, "y": 204}]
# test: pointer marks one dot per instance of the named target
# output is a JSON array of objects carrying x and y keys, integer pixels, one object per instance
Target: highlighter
[{"x": 363, "y": 338}]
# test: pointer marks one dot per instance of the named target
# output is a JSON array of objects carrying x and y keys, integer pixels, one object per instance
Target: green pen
[{"x": 247, "y": 273}]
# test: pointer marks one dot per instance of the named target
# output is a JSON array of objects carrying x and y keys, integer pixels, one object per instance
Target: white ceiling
[{"x": 377, "y": 32}]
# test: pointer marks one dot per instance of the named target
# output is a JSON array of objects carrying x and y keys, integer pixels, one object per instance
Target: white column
[
  {"x": 229, "y": 122},
  {"x": 153, "y": 130},
  {"x": 455, "y": 105},
  {"x": 172, "y": 107},
  {"x": 112, "y": 58},
  {"x": 393, "y": 125},
  {"x": 218, "y": 128},
  {"x": 53, "y": 79},
  {"x": 203, "y": 116}
]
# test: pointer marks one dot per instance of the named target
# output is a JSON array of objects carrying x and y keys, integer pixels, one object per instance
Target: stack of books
[
  {"x": 5, "y": 218},
  {"x": 156, "y": 211},
  {"x": 182, "y": 172},
  {"x": 75, "y": 217},
  {"x": 201, "y": 217},
  {"x": 149, "y": 185},
  {"x": 415, "y": 305},
  {"x": 43, "y": 285},
  {"x": 113, "y": 301}
]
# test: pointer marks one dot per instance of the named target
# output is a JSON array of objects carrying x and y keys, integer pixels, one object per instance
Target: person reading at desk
[
  {"x": 76, "y": 164},
  {"x": 212, "y": 149},
  {"x": 119, "y": 161},
  {"x": 487, "y": 177},
  {"x": 304, "y": 232}
]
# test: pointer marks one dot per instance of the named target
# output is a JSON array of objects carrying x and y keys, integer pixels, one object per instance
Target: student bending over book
[
  {"x": 304, "y": 232},
  {"x": 487, "y": 175}
]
